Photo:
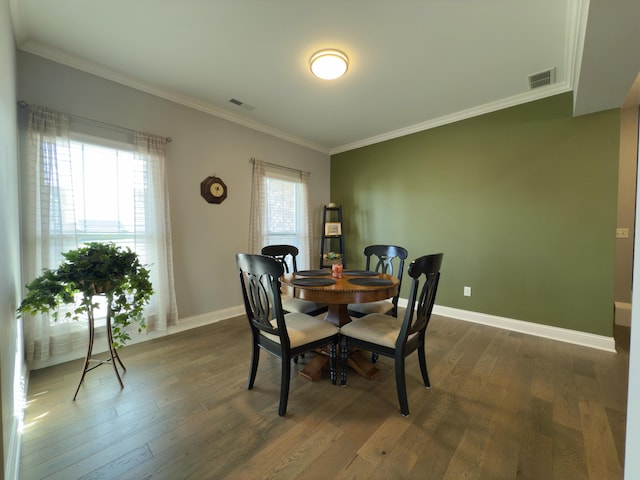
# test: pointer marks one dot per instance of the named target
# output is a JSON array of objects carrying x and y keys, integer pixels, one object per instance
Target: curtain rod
[
  {"x": 25, "y": 104},
  {"x": 281, "y": 167}
]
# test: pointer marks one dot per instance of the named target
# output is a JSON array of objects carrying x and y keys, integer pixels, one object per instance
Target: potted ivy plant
[
  {"x": 332, "y": 258},
  {"x": 97, "y": 268}
]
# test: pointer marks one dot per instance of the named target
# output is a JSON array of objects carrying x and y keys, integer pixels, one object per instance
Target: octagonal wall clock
[{"x": 213, "y": 190}]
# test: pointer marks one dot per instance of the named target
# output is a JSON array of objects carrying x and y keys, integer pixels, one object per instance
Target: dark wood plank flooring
[{"x": 502, "y": 405}]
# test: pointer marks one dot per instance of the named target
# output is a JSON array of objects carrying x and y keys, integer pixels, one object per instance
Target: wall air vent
[{"x": 541, "y": 79}]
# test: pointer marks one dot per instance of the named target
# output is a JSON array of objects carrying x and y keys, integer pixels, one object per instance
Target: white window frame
[{"x": 301, "y": 213}]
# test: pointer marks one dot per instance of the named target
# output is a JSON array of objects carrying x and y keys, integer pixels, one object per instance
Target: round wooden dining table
[{"x": 354, "y": 286}]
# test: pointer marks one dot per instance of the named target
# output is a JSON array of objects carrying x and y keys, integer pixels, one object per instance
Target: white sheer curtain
[
  {"x": 49, "y": 226},
  {"x": 306, "y": 237},
  {"x": 50, "y": 196},
  {"x": 259, "y": 234},
  {"x": 153, "y": 228}
]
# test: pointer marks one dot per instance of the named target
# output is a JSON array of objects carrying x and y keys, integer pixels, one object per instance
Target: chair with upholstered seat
[
  {"x": 286, "y": 254},
  {"x": 284, "y": 336},
  {"x": 387, "y": 259},
  {"x": 394, "y": 337}
]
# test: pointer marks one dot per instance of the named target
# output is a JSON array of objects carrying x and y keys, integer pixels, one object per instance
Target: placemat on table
[
  {"x": 360, "y": 273},
  {"x": 312, "y": 273},
  {"x": 370, "y": 282},
  {"x": 313, "y": 282}
]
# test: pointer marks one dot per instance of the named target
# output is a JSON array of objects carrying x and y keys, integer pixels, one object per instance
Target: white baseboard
[
  {"x": 554, "y": 333},
  {"x": 100, "y": 343},
  {"x": 622, "y": 314},
  {"x": 12, "y": 465},
  {"x": 546, "y": 331},
  {"x": 591, "y": 340},
  {"x": 205, "y": 319},
  {"x": 187, "y": 323}
]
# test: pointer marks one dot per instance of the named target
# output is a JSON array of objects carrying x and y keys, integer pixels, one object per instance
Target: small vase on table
[{"x": 336, "y": 270}]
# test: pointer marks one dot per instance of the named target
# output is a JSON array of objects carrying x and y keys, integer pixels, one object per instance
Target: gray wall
[
  {"x": 11, "y": 363},
  {"x": 205, "y": 237}
]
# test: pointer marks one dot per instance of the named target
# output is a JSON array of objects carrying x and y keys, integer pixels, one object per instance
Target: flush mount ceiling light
[{"x": 329, "y": 64}]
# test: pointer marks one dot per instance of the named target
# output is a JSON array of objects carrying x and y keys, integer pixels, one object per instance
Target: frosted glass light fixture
[{"x": 329, "y": 64}]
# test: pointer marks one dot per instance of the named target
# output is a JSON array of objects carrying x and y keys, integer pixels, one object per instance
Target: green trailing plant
[
  {"x": 332, "y": 257},
  {"x": 96, "y": 268}
]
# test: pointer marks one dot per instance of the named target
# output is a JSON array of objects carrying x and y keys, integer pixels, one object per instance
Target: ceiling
[{"x": 413, "y": 64}]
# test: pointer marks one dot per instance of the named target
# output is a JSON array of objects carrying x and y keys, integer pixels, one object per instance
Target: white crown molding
[
  {"x": 53, "y": 54},
  {"x": 501, "y": 104},
  {"x": 17, "y": 23},
  {"x": 578, "y": 11},
  {"x": 84, "y": 65}
]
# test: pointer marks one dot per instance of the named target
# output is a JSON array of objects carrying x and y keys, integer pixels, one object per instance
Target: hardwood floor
[{"x": 502, "y": 405}]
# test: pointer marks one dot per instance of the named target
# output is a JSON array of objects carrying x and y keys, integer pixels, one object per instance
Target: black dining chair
[
  {"x": 284, "y": 336},
  {"x": 387, "y": 259},
  {"x": 394, "y": 337},
  {"x": 287, "y": 254}
]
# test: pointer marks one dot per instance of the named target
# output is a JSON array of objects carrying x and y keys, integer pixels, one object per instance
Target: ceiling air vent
[
  {"x": 541, "y": 79},
  {"x": 241, "y": 104}
]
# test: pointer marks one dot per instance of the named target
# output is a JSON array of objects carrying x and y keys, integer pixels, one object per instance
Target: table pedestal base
[
  {"x": 357, "y": 360},
  {"x": 361, "y": 363},
  {"x": 337, "y": 314}
]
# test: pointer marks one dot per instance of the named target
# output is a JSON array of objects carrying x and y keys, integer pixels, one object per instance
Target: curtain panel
[
  {"x": 50, "y": 197},
  {"x": 154, "y": 228},
  {"x": 259, "y": 234}
]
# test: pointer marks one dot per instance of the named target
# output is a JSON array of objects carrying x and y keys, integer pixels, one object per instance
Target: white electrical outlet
[
  {"x": 467, "y": 291},
  {"x": 622, "y": 233}
]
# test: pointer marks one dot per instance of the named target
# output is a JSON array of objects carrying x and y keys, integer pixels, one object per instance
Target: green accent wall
[{"x": 521, "y": 201}]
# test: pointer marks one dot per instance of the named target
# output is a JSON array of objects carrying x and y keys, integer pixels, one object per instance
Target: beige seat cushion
[
  {"x": 382, "y": 306},
  {"x": 291, "y": 304},
  {"x": 374, "y": 328},
  {"x": 303, "y": 329}
]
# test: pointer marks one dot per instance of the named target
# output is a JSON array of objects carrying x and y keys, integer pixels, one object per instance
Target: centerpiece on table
[
  {"x": 331, "y": 258},
  {"x": 335, "y": 261}
]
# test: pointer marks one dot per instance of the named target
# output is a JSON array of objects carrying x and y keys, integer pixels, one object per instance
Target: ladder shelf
[{"x": 332, "y": 238}]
